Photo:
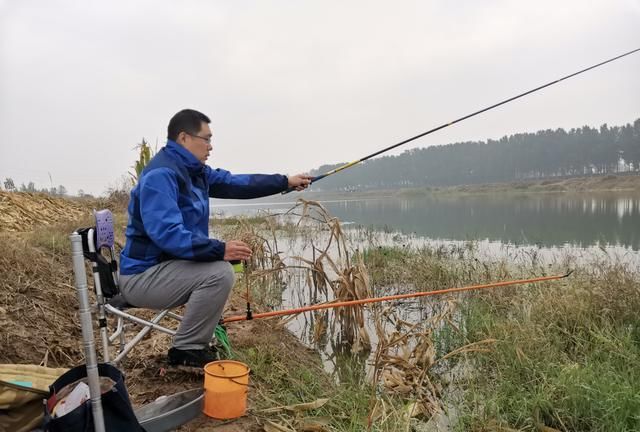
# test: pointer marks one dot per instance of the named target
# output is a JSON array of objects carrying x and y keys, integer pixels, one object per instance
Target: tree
[
  {"x": 9, "y": 185},
  {"x": 543, "y": 154},
  {"x": 62, "y": 191}
]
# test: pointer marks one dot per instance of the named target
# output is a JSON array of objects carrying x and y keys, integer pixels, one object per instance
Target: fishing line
[{"x": 386, "y": 149}]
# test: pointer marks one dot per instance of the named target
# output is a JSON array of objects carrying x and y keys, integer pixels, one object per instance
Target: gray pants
[{"x": 203, "y": 286}]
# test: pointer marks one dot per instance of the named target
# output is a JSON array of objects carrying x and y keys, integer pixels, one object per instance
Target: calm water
[{"x": 542, "y": 220}]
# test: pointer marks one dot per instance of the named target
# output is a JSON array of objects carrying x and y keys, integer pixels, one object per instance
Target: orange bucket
[{"x": 226, "y": 384}]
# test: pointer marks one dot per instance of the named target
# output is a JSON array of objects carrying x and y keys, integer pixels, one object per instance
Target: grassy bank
[{"x": 564, "y": 354}]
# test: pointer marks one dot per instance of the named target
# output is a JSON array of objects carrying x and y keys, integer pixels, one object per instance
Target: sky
[{"x": 291, "y": 85}]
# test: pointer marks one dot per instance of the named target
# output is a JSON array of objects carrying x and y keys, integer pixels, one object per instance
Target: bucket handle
[
  {"x": 239, "y": 383},
  {"x": 234, "y": 381}
]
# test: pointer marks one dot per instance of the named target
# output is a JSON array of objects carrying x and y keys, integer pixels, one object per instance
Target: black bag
[
  {"x": 106, "y": 268},
  {"x": 117, "y": 409}
]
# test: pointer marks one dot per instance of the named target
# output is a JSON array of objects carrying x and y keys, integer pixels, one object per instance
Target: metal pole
[{"x": 93, "y": 376}]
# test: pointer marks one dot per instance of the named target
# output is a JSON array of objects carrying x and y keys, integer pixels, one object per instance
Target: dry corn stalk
[
  {"x": 331, "y": 265},
  {"x": 404, "y": 356},
  {"x": 348, "y": 280}
]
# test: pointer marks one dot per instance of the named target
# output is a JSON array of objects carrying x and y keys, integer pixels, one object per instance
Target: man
[{"x": 169, "y": 259}]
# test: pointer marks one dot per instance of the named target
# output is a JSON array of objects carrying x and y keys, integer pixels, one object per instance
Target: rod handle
[{"x": 313, "y": 180}]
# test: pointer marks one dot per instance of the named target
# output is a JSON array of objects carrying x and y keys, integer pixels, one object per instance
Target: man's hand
[
  {"x": 236, "y": 250},
  {"x": 300, "y": 181}
]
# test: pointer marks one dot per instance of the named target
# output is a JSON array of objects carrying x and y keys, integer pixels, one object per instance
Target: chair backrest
[
  {"x": 95, "y": 241},
  {"x": 104, "y": 229}
]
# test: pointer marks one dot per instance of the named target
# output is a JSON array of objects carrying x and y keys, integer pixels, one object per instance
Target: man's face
[{"x": 198, "y": 144}]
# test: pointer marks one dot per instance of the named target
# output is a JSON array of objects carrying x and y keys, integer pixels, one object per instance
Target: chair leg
[
  {"x": 119, "y": 330},
  {"x": 146, "y": 323},
  {"x": 174, "y": 316},
  {"x": 102, "y": 318},
  {"x": 104, "y": 333},
  {"x": 148, "y": 326},
  {"x": 123, "y": 340}
]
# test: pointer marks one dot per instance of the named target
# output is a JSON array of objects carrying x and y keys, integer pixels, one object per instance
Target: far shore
[
  {"x": 590, "y": 184},
  {"x": 605, "y": 183}
]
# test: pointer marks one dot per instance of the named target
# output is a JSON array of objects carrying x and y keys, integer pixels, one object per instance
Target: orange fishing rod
[{"x": 332, "y": 305}]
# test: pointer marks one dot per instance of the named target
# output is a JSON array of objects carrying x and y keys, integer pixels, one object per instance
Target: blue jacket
[{"x": 169, "y": 208}]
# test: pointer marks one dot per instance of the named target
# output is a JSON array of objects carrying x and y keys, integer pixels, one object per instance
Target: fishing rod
[
  {"x": 251, "y": 315},
  {"x": 384, "y": 150}
]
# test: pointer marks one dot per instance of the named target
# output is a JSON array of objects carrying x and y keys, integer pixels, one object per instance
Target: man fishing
[{"x": 169, "y": 259}]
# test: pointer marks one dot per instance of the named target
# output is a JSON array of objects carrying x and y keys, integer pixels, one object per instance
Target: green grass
[
  {"x": 566, "y": 352},
  {"x": 564, "y": 359},
  {"x": 283, "y": 376},
  {"x": 54, "y": 239},
  {"x": 422, "y": 269}
]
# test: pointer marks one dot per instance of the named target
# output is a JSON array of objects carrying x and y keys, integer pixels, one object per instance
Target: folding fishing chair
[
  {"x": 96, "y": 244},
  {"x": 98, "y": 249}
]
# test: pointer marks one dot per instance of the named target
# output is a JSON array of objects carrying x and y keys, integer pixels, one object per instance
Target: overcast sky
[{"x": 290, "y": 85}]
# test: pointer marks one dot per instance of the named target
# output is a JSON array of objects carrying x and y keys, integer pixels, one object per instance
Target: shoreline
[
  {"x": 574, "y": 185},
  {"x": 591, "y": 184}
]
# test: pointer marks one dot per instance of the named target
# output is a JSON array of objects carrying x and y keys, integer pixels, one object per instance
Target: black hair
[{"x": 187, "y": 120}]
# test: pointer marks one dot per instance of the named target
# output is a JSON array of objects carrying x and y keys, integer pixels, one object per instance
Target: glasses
[{"x": 207, "y": 140}]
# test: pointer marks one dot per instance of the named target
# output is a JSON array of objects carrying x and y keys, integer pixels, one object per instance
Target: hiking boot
[{"x": 191, "y": 358}]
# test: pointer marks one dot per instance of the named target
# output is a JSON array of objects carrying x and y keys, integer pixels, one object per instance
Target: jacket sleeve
[
  {"x": 223, "y": 184},
  {"x": 163, "y": 222}
]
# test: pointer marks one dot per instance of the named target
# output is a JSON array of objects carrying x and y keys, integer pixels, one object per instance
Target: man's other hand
[
  {"x": 300, "y": 181},
  {"x": 236, "y": 250}
]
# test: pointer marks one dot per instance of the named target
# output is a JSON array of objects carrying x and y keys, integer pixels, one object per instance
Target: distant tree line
[
  {"x": 524, "y": 156},
  {"x": 119, "y": 191},
  {"x": 61, "y": 190}
]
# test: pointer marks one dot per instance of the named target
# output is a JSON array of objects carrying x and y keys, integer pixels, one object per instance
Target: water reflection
[{"x": 542, "y": 219}]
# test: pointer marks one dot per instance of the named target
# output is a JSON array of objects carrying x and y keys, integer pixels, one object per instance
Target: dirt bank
[{"x": 25, "y": 211}]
